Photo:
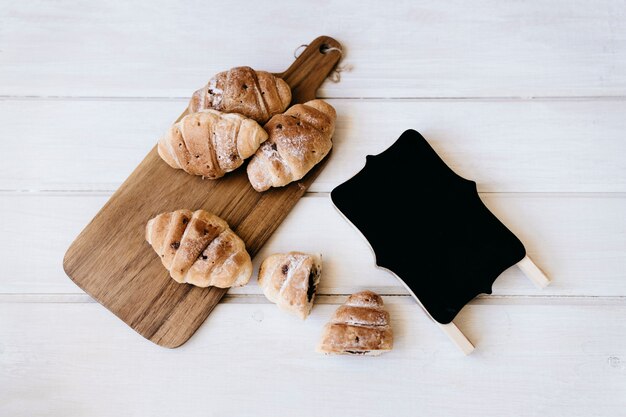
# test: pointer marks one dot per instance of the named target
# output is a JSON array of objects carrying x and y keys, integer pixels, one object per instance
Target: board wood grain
[{"x": 111, "y": 261}]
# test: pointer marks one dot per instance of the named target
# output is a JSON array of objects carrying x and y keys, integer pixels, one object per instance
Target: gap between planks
[
  {"x": 338, "y": 299},
  {"x": 318, "y": 194},
  {"x": 347, "y": 98}
]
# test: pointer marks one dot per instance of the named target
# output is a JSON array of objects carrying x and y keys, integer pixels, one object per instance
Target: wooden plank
[
  {"x": 577, "y": 240},
  {"x": 426, "y": 49},
  {"x": 78, "y": 145},
  {"x": 76, "y": 360},
  {"x": 506, "y": 146}
]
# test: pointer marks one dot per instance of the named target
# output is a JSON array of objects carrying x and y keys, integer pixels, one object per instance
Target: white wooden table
[{"x": 527, "y": 98}]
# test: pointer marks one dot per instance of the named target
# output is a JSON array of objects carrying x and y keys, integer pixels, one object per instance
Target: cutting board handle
[
  {"x": 111, "y": 261},
  {"x": 312, "y": 67}
]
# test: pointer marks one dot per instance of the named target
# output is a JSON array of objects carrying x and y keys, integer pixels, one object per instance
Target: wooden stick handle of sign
[
  {"x": 454, "y": 333},
  {"x": 457, "y": 337},
  {"x": 532, "y": 271}
]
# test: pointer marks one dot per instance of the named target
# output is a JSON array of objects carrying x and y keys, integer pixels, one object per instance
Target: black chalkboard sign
[{"x": 428, "y": 225}]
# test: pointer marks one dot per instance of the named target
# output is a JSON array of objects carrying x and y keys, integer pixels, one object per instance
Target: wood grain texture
[
  {"x": 404, "y": 48},
  {"x": 504, "y": 145},
  {"x": 578, "y": 239},
  {"x": 531, "y": 360},
  {"x": 113, "y": 264}
]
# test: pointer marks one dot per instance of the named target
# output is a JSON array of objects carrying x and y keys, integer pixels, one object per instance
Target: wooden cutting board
[{"x": 111, "y": 261}]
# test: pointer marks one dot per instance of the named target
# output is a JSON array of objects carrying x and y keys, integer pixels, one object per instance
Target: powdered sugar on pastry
[
  {"x": 199, "y": 248},
  {"x": 290, "y": 280},
  {"x": 255, "y": 94},
  {"x": 211, "y": 143},
  {"x": 359, "y": 327},
  {"x": 302, "y": 137}
]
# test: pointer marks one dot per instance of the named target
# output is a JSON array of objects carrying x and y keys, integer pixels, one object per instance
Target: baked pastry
[
  {"x": 298, "y": 139},
  {"x": 199, "y": 248},
  {"x": 359, "y": 327},
  {"x": 255, "y": 94},
  {"x": 210, "y": 143},
  {"x": 290, "y": 280}
]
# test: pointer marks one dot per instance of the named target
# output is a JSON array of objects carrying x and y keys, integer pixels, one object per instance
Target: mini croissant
[
  {"x": 199, "y": 248},
  {"x": 359, "y": 327},
  {"x": 255, "y": 94},
  {"x": 210, "y": 143},
  {"x": 290, "y": 280},
  {"x": 298, "y": 140}
]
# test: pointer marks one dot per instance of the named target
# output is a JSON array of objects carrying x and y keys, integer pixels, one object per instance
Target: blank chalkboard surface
[{"x": 428, "y": 225}]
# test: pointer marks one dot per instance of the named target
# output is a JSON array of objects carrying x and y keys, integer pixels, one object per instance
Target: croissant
[
  {"x": 359, "y": 327},
  {"x": 290, "y": 280},
  {"x": 255, "y": 94},
  {"x": 298, "y": 140},
  {"x": 199, "y": 248},
  {"x": 210, "y": 143}
]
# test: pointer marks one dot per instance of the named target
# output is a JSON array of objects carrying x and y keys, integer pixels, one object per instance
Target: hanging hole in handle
[{"x": 326, "y": 48}]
